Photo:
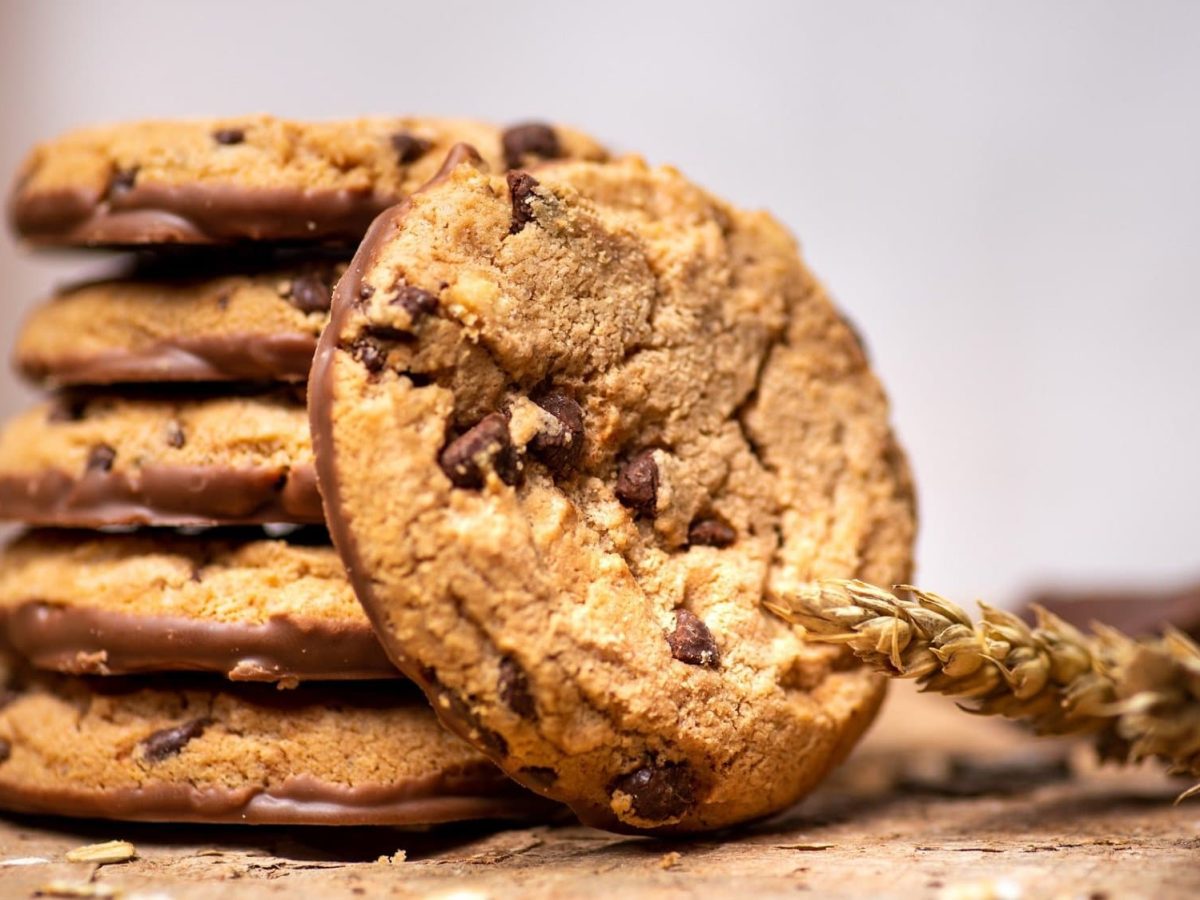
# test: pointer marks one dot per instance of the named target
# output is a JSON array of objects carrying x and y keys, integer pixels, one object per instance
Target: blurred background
[{"x": 1004, "y": 196}]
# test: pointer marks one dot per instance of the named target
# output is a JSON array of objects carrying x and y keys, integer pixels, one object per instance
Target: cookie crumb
[
  {"x": 75, "y": 889},
  {"x": 103, "y": 854},
  {"x": 669, "y": 860}
]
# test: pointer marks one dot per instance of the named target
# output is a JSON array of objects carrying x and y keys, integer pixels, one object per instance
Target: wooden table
[{"x": 934, "y": 803}]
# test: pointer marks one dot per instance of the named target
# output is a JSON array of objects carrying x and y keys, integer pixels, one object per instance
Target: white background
[{"x": 1005, "y": 196}]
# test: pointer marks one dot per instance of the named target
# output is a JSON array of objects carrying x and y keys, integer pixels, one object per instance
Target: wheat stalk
[{"x": 1138, "y": 698}]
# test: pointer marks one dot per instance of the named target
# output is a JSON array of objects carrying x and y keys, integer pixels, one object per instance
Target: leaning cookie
[
  {"x": 180, "y": 322},
  {"x": 573, "y": 428},
  {"x": 88, "y": 460},
  {"x": 251, "y": 178},
  {"x": 234, "y": 601},
  {"x": 197, "y": 750}
]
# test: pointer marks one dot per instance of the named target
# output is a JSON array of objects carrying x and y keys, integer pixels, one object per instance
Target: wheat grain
[{"x": 1138, "y": 698}]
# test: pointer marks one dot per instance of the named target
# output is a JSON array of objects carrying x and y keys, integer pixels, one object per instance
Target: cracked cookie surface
[
  {"x": 195, "y": 750},
  {"x": 237, "y": 602},
  {"x": 175, "y": 322},
  {"x": 573, "y": 427},
  {"x": 156, "y": 458},
  {"x": 250, "y": 178}
]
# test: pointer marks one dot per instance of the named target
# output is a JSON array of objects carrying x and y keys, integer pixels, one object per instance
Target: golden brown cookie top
[
  {"x": 257, "y": 178},
  {"x": 573, "y": 426}
]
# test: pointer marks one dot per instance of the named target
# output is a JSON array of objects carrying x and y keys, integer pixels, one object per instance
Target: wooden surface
[{"x": 934, "y": 803}]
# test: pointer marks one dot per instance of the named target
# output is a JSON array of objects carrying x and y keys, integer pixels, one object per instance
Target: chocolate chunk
[
  {"x": 637, "y": 483},
  {"x": 454, "y": 708},
  {"x": 560, "y": 450},
  {"x": 309, "y": 294},
  {"x": 540, "y": 776},
  {"x": 711, "y": 532},
  {"x": 101, "y": 458},
  {"x": 366, "y": 292},
  {"x": 659, "y": 793},
  {"x": 175, "y": 435},
  {"x": 466, "y": 459},
  {"x": 5, "y": 750},
  {"x": 409, "y": 148},
  {"x": 229, "y": 136},
  {"x": 370, "y": 354},
  {"x": 691, "y": 641},
  {"x": 520, "y": 186},
  {"x": 514, "y": 689},
  {"x": 531, "y": 139},
  {"x": 67, "y": 408},
  {"x": 170, "y": 741},
  {"x": 417, "y": 302},
  {"x": 122, "y": 180}
]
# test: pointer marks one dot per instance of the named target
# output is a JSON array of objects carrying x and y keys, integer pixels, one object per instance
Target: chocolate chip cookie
[
  {"x": 197, "y": 750},
  {"x": 233, "y": 601},
  {"x": 175, "y": 322},
  {"x": 573, "y": 426},
  {"x": 253, "y": 178},
  {"x": 92, "y": 459}
]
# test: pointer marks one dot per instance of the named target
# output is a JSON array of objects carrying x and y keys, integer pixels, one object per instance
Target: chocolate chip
[
  {"x": 514, "y": 689},
  {"x": 560, "y": 450},
  {"x": 455, "y": 708},
  {"x": 409, "y": 148},
  {"x": 466, "y": 459},
  {"x": 711, "y": 532},
  {"x": 67, "y": 409},
  {"x": 691, "y": 641},
  {"x": 658, "y": 792},
  {"x": 309, "y": 294},
  {"x": 370, "y": 354},
  {"x": 637, "y": 483},
  {"x": 5, "y": 750},
  {"x": 530, "y": 139},
  {"x": 366, "y": 292},
  {"x": 122, "y": 180},
  {"x": 229, "y": 136},
  {"x": 101, "y": 458},
  {"x": 175, "y": 435},
  {"x": 169, "y": 741},
  {"x": 416, "y": 301},
  {"x": 541, "y": 776},
  {"x": 520, "y": 186}
]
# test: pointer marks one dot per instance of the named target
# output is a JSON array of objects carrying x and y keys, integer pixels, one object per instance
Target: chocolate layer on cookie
[
  {"x": 157, "y": 458},
  {"x": 573, "y": 427},
  {"x": 235, "y": 602},
  {"x": 182, "y": 322},
  {"x": 190, "y": 750},
  {"x": 253, "y": 178}
]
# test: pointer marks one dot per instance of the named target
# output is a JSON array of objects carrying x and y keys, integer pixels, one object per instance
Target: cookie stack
[{"x": 175, "y": 525}]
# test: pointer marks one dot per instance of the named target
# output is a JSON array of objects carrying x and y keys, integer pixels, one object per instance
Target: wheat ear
[{"x": 1139, "y": 698}]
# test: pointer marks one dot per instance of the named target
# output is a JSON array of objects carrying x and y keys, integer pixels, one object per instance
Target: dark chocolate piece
[
  {"x": 637, "y": 483},
  {"x": 227, "y": 137},
  {"x": 711, "y": 532},
  {"x": 487, "y": 445},
  {"x": 309, "y": 294},
  {"x": 691, "y": 641},
  {"x": 532, "y": 139},
  {"x": 409, "y": 148},
  {"x": 514, "y": 689},
  {"x": 417, "y": 302},
  {"x": 171, "y": 741},
  {"x": 660, "y": 792},
  {"x": 520, "y": 187},
  {"x": 101, "y": 458},
  {"x": 175, "y": 436},
  {"x": 560, "y": 451}
]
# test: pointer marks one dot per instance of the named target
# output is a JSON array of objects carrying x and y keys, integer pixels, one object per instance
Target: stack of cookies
[
  {"x": 577, "y": 427},
  {"x": 183, "y": 641}
]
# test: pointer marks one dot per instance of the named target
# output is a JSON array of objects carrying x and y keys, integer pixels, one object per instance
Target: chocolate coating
[
  {"x": 101, "y": 642},
  {"x": 163, "y": 495}
]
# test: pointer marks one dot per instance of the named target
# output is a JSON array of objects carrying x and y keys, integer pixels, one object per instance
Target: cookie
[
  {"x": 573, "y": 427},
  {"x": 195, "y": 750},
  {"x": 234, "y": 601},
  {"x": 177, "y": 322},
  {"x": 252, "y": 178},
  {"x": 86, "y": 460}
]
